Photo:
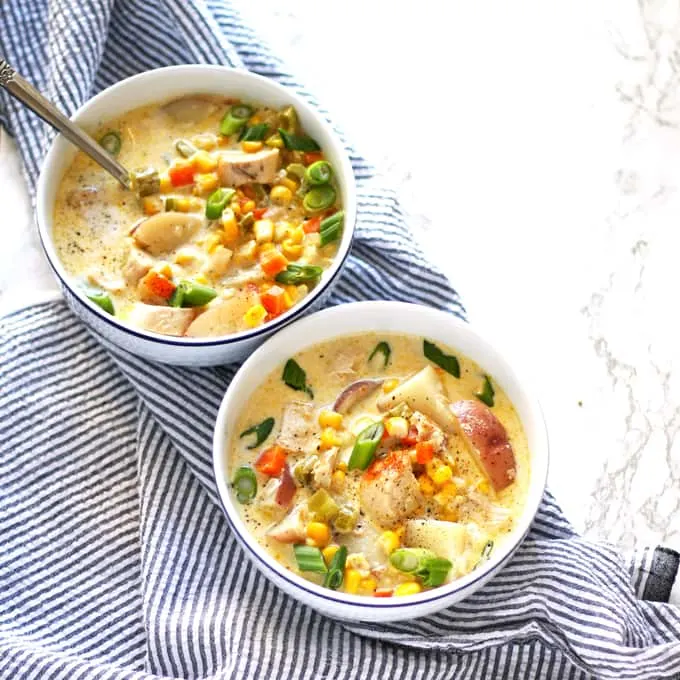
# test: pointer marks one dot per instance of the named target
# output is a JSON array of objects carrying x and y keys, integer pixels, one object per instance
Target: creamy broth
[
  {"x": 451, "y": 485},
  {"x": 229, "y": 235}
]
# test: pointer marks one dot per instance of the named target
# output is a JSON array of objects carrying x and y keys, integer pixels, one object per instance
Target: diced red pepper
[
  {"x": 312, "y": 157},
  {"x": 312, "y": 226},
  {"x": 271, "y": 461},
  {"x": 181, "y": 173},
  {"x": 274, "y": 300},
  {"x": 258, "y": 213},
  {"x": 424, "y": 452},
  {"x": 382, "y": 592}
]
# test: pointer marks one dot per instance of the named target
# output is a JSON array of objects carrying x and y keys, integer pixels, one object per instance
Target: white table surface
[{"x": 535, "y": 147}]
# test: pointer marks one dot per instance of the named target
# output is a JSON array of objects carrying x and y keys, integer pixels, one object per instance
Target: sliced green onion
[
  {"x": 346, "y": 519},
  {"x": 384, "y": 349},
  {"x": 410, "y": 560},
  {"x": 330, "y": 229},
  {"x": 336, "y": 569},
  {"x": 145, "y": 182},
  {"x": 190, "y": 294},
  {"x": 235, "y": 119},
  {"x": 261, "y": 431},
  {"x": 170, "y": 204},
  {"x": 319, "y": 173},
  {"x": 295, "y": 377},
  {"x": 295, "y": 274},
  {"x": 309, "y": 559},
  {"x": 319, "y": 198},
  {"x": 111, "y": 142},
  {"x": 486, "y": 553},
  {"x": 322, "y": 506},
  {"x": 101, "y": 299},
  {"x": 245, "y": 484},
  {"x": 217, "y": 202},
  {"x": 365, "y": 446},
  {"x": 254, "y": 133},
  {"x": 487, "y": 392},
  {"x": 434, "y": 571},
  {"x": 446, "y": 361},
  {"x": 298, "y": 142},
  {"x": 185, "y": 148},
  {"x": 288, "y": 118},
  {"x": 296, "y": 169}
]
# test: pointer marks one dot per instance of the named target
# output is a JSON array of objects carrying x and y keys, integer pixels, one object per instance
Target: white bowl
[
  {"x": 396, "y": 317},
  {"x": 162, "y": 85}
]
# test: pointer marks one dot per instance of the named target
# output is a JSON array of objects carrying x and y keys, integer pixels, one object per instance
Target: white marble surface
[{"x": 535, "y": 146}]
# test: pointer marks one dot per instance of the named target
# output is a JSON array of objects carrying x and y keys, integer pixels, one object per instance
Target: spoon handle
[{"x": 30, "y": 97}]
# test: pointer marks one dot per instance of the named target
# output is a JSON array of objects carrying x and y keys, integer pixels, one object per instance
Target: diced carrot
[
  {"x": 159, "y": 284},
  {"x": 273, "y": 262},
  {"x": 312, "y": 157},
  {"x": 312, "y": 226},
  {"x": 258, "y": 213},
  {"x": 424, "y": 452},
  {"x": 271, "y": 461},
  {"x": 274, "y": 300},
  {"x": 382, "y": 592},
  {"x": 181, "y": 172}
]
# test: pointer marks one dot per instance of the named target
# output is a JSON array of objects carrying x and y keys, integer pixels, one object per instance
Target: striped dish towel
[{"x": 115, "y": 560}]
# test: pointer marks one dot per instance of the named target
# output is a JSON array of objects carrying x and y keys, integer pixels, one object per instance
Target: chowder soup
[
  {"x": 379, "y": 465},
  {"x": 234, "y": 217}
]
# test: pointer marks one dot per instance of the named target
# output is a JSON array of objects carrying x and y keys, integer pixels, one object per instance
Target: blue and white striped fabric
[{"x": 115, "y": 561}]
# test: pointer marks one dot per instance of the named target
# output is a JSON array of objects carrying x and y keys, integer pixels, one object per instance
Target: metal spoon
[{"x": 30, "y": 97}]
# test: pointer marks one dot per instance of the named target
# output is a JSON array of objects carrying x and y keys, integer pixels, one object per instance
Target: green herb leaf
[
  {"x": 434, "y": 571},
  {"x": 261, "y": 431},
  {"x": 446, "y": 361},
  {"x": 384, "y": 349},
  {"x": 487, "y": 392},
  {"x": 298, "y": 142},
  {"x": 365, "y": 446},
  {"x": 245, "y": 484},
  {"x": 295, "y": 377},
  {"x": 336, "y": 569},
  {"x": 296, "y": 274},
  {"x": 309, "y": 559},
  {"x": 254, "y": 133}
]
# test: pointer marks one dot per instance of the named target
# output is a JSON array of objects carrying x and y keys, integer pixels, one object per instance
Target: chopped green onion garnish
[
  {"x": 336, "y": 569},
  {"x": 101, "y": 299},
  {"x": 217, "y": 202},
  {"x": 170, "y": 204},
  {"x": 330, "y": 229},
  {"x": 190, "y": 294},
  {"x": 288, "y": 119},
  {"x": 296, "y": 169},
  {"x": 185, "y": 148},
  {"x": 346, "y": 519},
  {"x": 295, "y": 377},
  {"x": 254, "y": 133},
  {"x": 309, "y": 559},
  {"x": 235, "y": 119},
  {"x": 384, "y": 349},
  {"x": 487, "y": 392},
  {"x": 111, "y": 142},
  {"x": 486, "y": 553},
  {"x": 245, "y": 484},
  {"x": 298, "y": 142},
  {"x": 322, "y": 506},
  {"x": 145, "y": 182},
  {"x": 365, "y": 446},
  {"x": 319, "y": 198},
  {"x": 432, "y": 570},
  {"x": 446, "y": 361},
  {"x": 319, "y": 173},
  {"x": 296, "y": 274},
  {"x": 261, "y": 431}
]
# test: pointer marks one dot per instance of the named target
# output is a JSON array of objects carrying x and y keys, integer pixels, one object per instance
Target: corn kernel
[
  {"x": 342, "y": 466},
  {"x": 246, "y": 253},
  {"x": 289, "y": 183},
  {"x": 248, "y": 206},
  {"x": 235, "y": 207},
  {"x": 338, "y": 480},
  {"x": 212, "y": 241},
  {"x": 297, "y": 235},
  {"x": 368, "y": 584},
  {"x": 201, "y": 278},
  {"x": 164, "y": 269},
  {"x": 287, "y": 301},
  {"x": 329, "y": 552},
  {"x": 389, "y": 385},
  {"x": 291, "y": 250},
  {"x": 251, "y": 146},
  {"x": 275, "y": 141},
  {"x": 263, "y": 230},
  {"x": 230, "y": 230},
  {"x": 397, "y": 427},
  {"x": 206, "y": 183},
  {"x": 426, "y": 485},
  {"x": 410, "y": 588},
  {"x": 255, "y": 316},
  {"x": 205, "y": 140},
  {"x": 388, "y": 541},
  {"x": 292, "y": 292},
  {"x": 281, "y": 195},
  {"x": 281, "y": 231},
  {"x": 184, "y": 256},
  {"x": 352, "y": 581},
  {"x": 151, "y": 205},
  {"x": 329, "y": 438},
  {"x": 319, "y": 533},
  {"x": 181, "y": 204},
  {"x": 330, "y": 419},
  {"x": 483, "y": 486},
  {"x": 166, "y": 184},
  {"x": 204, "y": 161},
  {"x": 442, "y": 475}
]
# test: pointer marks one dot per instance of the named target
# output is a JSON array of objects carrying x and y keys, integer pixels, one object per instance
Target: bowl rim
[
  {"x": 349, "y": 206},
  {"x": 535, "y": 491}
]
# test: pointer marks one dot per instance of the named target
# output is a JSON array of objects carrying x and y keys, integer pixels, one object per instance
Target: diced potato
[
  {"x": 264, "y": 231},
  {"x": 165, "y": 231}
]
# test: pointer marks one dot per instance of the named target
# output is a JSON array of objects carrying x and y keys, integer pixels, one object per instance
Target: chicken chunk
[
  {"x": 236, "y": 167},
  {"x": 487, "y": 440},
  {"x": 389, "y": 491},
  {"x": 293, "y": 527},
  {"x": 163, "y": 320},
  {"x": 298, "y": 428},
  {"x": 322, "y": 472},
  {"x": 224, "y": 316}
]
